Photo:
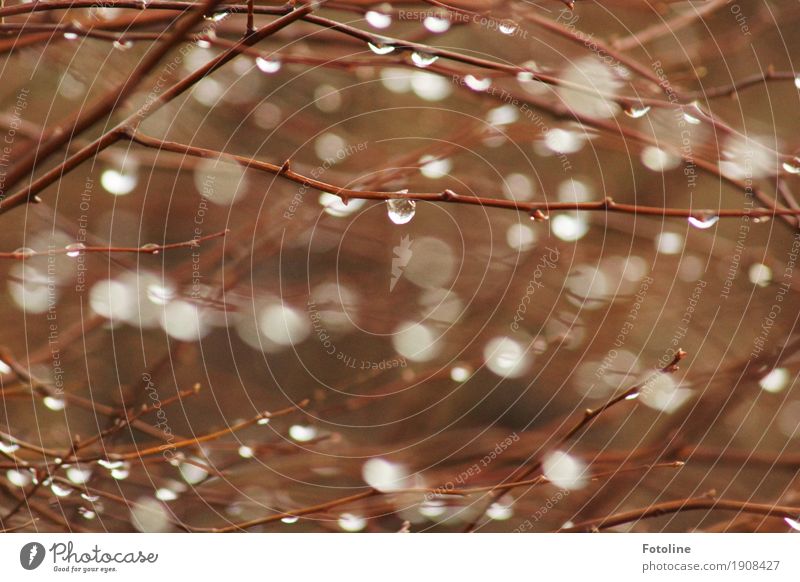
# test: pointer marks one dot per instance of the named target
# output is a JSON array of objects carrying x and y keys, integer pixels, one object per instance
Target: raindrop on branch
[
  {"x": 378, "y": 19},
  {"x": 436, "y": 24},
  {"x": 268, "y": 66},
  {"x": 507, "y": 27},
  {"x": 401, "y": 210},
  {"x": 423, "y": 60},
  {"x": 637, "y": 112},
  {"x": 703, "y": 222},
  {"x": 477, "y": 84},
  {"x": 380, "y": 48},
  {"x": 74, "y": 249}
]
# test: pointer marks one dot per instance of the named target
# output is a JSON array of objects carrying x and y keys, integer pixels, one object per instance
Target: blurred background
[{"x": 408, "y": 346}]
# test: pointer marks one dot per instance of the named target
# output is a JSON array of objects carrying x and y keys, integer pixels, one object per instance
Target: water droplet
[
  {"x": 797, "y": 81},
  {"x": 792, "y": 167},
  {"x": 111, "y": 465},
  {"x": 263, "y": 421},
  {"x": 775, "y": 381},
  {"x": 90, "y": 498},
  {"x": 378, "y": 19},
  {"x": 477, "y": 84},
  {"x": 691, "y": 119},
  {"x": 703, "y": 221},
  {"x": 460, "y": 373},
  {"x": 25, "y": 252},
  {"x": 525, "y": 76},
  {"x": 53, "y": 403},
  {"x": 122, "y": 45},
  {"x": 246, "y": 452},
  {"x": 118, "y": 182},
  {"x": 78, "y": 476},
  {"x": 422, "y": 59},
  {"x": 87, "y": 513},
  {"x": 8, "y": 448},
  {"x": 380, "y": 48},
  {"x": 632, "y": 396},
  {"x": 151, "y": 248},
  {"x": 302, "y": 434},
  {"x": 637, "y": 112},
  {"x": 70, "y": 35},
  {"x": 18, "y": 478},
  {"x": 290, "y": 519},
  {"x": 436, "y": 24},
  {"x": 160, "y": 294},
  {"x": 794, "y": 524},
  {"x": 539, "y": 216},
  {"x": 401, "y": 210},
  {"x": 74, "y": 249},
  {"x": 564, "y": 470},
  {"x": 507, "y": 27},
  {"x": 352, "y": 523},
  {"x": 60, "y": 490},
  {"x": 268, "y": 66},
  {"x": 216, "y": 17},
  {"x": 203, "y": 44},
  {"x": 122, "y": 472},
  {"x": 499, "y": 511},
  {"x": 165, "y": 494}
]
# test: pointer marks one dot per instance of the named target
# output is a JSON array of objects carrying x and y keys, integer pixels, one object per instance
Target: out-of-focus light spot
[
  {"x": 436, "y": 24},
  {"x": 775, "y": 381},
  {"x": 383, "y": 475},
  {"x": 335, "y": 206},
  {"x": 430, "y": 87},
  {"x": 246, "y": 452},
  {"x": 520, "y": 237},
  {"x": 352, "y": 523},
  {"x": 118, "y": 182},
  {"x": 302, "y": 434},
  {"x": 396, "y": 80},
  {"x": 669, "y": 243},
  {"x": 166, "y": 494},
  {"x": 507, "y": 357},
  {"x": 518, "y": 187},
  {"x": 564, "y": 470},
  {"x": 111, "y": 299},
  {"x": 658, "y": 160},
  {"x": 222, "y": 183},
  {"x": 661, "y": 392},
  {"x": 378, "y": 19},
  {"x": 569, "y": 227},
  {"x": 148, "y": 515},
  {"x": 283, "y": 325},
  {"x": 460, "y": 373},
  {"x": 193, "y": 472},
  {"x": 54, "y": 403},
  {"x": 183, "y": 321},
  {"x": 434, "y": 168},
  {"x": 760, "y": 275},
  {"x": 416, "y": 341},
  {"x": 563, "y": 141}
]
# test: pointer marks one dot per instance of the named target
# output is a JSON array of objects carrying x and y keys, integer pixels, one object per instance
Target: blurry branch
[
  {"x": 588, "y": 418},
  {"x": 147, "y": 249},
  {"x": 112, "y": 136},
  {"x": 191, "y": 442},
  {"x": 537, "y": 210},
  {"x": 668, "y": 27},
  {"x": 706, "y": 502},
  {"x": 86, "y": 117}
]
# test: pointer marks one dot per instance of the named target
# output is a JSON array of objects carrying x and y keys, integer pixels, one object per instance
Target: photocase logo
[
  {"x": 31, "y": 555},
  {"x": 402, "y": 256}
]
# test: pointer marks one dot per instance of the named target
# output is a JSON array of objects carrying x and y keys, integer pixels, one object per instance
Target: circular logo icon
[{"x": 31, "y": 555}]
